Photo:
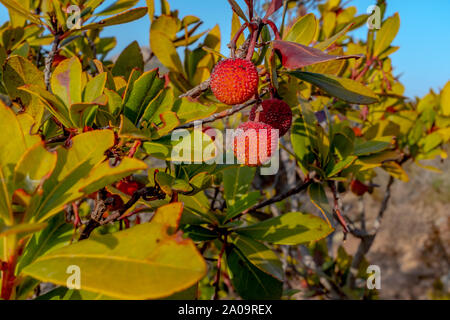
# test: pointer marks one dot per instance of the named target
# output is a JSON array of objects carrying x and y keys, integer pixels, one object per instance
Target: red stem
[
  {"x": 219, "y": 267},
  {"x": 235, "y": 39},
  {"x": 271, "y": 24}
]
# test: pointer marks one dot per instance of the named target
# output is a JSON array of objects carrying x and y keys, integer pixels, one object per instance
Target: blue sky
[{"x": 424, "y": 37}]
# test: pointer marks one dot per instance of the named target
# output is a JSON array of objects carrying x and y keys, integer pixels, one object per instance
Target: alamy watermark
[
  {"x": 74, "y": 280},
  {"x": 374, "y": 279},
  {"x": 210, "y": 146},
  {"x": 374, "y": 20}
]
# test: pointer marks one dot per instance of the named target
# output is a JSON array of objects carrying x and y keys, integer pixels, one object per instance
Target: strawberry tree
[{"x": 93, "y": 180}]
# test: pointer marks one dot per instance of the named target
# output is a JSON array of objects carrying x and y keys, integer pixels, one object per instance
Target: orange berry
[
  {"x": 255, "y": 143},
  {"x": 234, "y": 81}
]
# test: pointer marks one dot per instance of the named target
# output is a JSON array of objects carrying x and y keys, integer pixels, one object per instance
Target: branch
[
  {"x": 366, "y": 238},
  {"x": 280, "y": 197},
  {"x": 219, "y": 115},
  {"x": 49, "y": 61}
]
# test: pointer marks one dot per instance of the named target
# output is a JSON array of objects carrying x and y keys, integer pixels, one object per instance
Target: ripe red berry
[
  {"x": 234, "y": 81},
  {"x": 128, "y": 187},
  {"x": 277, "y": 114},
  {"x": 358, "y": 187},
  {"x": 255, "y": 143}
]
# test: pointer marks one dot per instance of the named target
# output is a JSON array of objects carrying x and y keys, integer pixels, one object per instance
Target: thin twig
[
  {"x": 219, "y": 267},
  {"x": 49, "y": 61},
  {"x": 367, "y": 239},
  {"x": 219, "y": 115},
  {"x": 280, "y": 197}
]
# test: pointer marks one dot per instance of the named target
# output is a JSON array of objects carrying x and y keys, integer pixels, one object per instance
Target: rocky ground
[{"x": 413, "y": 244}]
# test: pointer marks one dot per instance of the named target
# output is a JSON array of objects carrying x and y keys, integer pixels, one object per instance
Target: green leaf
[
  {"x": 157, "y": 265},
  {"x": 236, "y": 183},
  {"x": 169, "y": 183},
  {"x": 445, "y": 100},
  {"x": 342, "y": 88},
  {"x": 291, "y": 228},
  {"x": 144, "y": 90},
  {"x": 117, "y": 7},
  {"x": 249, "y": 281},
  {"x": 130, "y": 58},
  {"x": 260, "y": 256},
  {"x": 373, "y": 146},
  {"x": 319, "y": 199},
  {"x": 182, "y": 146},
  {"x": 302, "y": 144},
  {"x": 66, "y": 81},
  {"x": 188, "y": 111},
  {"x": 327, "y": 43},
  {"x": 94, "y": 88},
  {"x": 386, "y": 34},
  {"x": 127, "y": 16},
  {"x": 243, "y": 203},
  {"x": 21, "y": 229},
  {"x": 341, "y": 165},
  {"x": 57, "y": 234},
  {"x": 303, "y": 31}
]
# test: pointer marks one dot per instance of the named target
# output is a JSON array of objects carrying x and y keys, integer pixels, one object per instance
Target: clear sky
[{"x": 424, "y": 37}]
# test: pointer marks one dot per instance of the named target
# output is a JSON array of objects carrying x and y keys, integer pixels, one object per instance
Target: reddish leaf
[
  {"x": 274, "y": 6},
  {"x": 295, "y": 56},
  {"x": 238, "y": 10}
]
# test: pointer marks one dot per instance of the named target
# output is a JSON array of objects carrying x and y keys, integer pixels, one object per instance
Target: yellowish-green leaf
[
  {"x": 169, "y": 215},
  {"x": 104, "y": 174},
  {"x": 16, "y": 7},
  {"x": 165, "y": 51},
  {"x": 386, "y": 34},
  {"x": 73, "y": 165},
  {"x": 66, "y": 81},
  {"x": 291, "y": 228},
  {"x": 142, "y": 262},
  {"x": 342, "y": 88},
  {"x": 35, "y": 165},
  {"x": 21, "y": 229},
  {"x": 124, "y": 17},
  {"x": 303, "y": 30},
  {"x": 319, "y": 199},
  {"x": 445, "y": 100},
  {"x": 396, "y": 171}
]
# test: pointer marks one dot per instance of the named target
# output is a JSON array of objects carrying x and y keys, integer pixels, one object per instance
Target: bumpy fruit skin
[
  {"x": 234, "y": 81},
  {"x": 277, "y": 114},
  {"x": 255, "y": 143}
]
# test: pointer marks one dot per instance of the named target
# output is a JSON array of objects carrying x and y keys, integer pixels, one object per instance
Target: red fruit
[
  {"x": 358, "y": 187},
  {"x": 128, "y": 187},
  {"x": 277, "y": 114},
  {"x": 357, "y": 131},
  {"x": 255, "y": 143},
  {"x": 234, "y": 81}
]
